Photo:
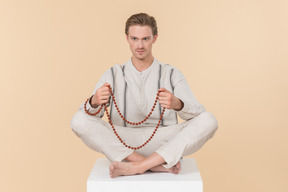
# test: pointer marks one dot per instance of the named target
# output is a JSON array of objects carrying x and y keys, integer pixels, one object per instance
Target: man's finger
[
  {"x": 105, "y": 93},
  {"x": 162, "y": 89},
  {"x": 163, "y": 94},
  {"x": 164, "y": 102},
  {"x": 106, "y": 84},
  {"x": 104, "y": 97},
  {"x": 104, "y": 88}
]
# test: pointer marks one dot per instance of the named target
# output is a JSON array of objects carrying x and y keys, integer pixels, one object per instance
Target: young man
[{"x": 135, "y": 85}]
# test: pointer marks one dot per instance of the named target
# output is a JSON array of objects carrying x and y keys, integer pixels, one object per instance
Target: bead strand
[
  {"x": 121, "y": 115},
  {"x": 85, "y": 108},
  {"x": 132, "y": 123},
  {"x": 128, "y": 146}
]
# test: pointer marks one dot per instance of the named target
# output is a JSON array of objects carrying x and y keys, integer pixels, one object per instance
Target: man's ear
[
  {"x": 127, "y": 38},
  {"x": 155, "y": 38}
]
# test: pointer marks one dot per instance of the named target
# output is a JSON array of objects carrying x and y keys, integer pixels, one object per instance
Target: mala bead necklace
[{"x": 131, "y": 123}]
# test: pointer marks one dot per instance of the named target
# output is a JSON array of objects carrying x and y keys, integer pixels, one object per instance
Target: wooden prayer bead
[{"x": 132, "y": 123}]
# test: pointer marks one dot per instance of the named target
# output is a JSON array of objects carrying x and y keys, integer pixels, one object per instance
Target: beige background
[{"x": 233, "y": 53}]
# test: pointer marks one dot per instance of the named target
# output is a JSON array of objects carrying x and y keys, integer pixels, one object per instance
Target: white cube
[{"x": 188, "y": 180}]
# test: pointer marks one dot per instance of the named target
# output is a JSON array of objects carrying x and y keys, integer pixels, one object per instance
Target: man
[{"x": 135, "y": 85}]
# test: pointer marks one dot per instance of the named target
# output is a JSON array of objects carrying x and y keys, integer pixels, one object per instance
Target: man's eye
[
  {"x": 134, "y": 39},
  {"x": 146, "y": 39}
]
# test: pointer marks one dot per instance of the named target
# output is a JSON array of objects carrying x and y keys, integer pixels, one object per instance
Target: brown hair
[{"x": 142, "y": 19}]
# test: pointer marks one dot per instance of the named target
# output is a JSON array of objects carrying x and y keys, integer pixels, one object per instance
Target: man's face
[{"x": 140, "y": 39}]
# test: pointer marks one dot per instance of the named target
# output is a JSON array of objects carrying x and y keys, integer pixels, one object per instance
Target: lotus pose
[{"x": 144, "y": 97}]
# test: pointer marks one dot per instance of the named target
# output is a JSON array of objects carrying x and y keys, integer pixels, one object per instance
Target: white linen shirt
[{"x": 135, "y": 93}]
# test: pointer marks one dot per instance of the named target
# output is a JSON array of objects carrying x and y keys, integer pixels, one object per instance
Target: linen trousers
[{"x": 170, "y": 142}]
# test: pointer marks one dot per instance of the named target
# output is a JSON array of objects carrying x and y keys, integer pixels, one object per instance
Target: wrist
[
  {"x": 94, "y": 105},
  {"x": 179, "y": 105}
]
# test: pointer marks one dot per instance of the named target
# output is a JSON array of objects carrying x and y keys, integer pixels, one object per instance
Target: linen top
[{"x": 135, "y": 93}]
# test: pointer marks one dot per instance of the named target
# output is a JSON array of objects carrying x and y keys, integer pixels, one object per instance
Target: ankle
[
  {"x": 139, "y": 167},
  {"x": 134, "y": 157}
]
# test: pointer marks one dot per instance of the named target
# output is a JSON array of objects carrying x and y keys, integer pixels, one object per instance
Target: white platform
[{"x": 188, "y": 180}]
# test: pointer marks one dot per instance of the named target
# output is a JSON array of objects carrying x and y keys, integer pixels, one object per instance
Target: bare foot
[
  {"x": 124, "y": 168},
  {"x": 133, "y": 168},
  {"x": 175, "y": 169}
]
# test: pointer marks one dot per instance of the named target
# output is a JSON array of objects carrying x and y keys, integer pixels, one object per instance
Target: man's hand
[
  {"x": 169, "y": 101},
  {"x": 101, "y": 96}
]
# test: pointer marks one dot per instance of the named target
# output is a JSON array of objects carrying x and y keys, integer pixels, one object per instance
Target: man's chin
[{"x": 140, "y": 58}]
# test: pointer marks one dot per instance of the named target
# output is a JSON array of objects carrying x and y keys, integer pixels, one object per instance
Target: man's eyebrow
[{"x": 143, "y": 37}]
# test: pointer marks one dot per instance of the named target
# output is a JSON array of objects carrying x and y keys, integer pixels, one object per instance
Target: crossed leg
[
  {"x": 191, "y": 138},
  {"x": 138, "y": 164},
  {"x": 188, "y": 137}
]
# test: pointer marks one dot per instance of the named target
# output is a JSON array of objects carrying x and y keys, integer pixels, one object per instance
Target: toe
[{"x": 113, "y": 166}]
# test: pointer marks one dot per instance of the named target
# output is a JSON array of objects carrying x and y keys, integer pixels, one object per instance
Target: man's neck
[{"x": 142, "y": 65}]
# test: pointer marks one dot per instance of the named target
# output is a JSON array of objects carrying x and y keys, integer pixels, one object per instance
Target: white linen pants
[{"x": 170, "y": 142}]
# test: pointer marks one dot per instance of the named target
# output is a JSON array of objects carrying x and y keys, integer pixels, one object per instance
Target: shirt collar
[{"x": 132, "y": 67}]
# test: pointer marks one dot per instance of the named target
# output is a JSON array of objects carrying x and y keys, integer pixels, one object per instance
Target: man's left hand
[{"x": 169, "y": 101}]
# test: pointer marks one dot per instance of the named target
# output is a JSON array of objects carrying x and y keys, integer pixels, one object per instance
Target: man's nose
[{"x": 140, "y": 44}]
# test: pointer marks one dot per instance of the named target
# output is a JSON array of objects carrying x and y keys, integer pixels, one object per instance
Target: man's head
[
  {"x": 141, "y": 32},
  {"x": 142, "y": 19}
]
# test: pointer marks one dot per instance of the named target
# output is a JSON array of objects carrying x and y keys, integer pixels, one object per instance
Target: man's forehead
[{"x": 140, "y": 31}]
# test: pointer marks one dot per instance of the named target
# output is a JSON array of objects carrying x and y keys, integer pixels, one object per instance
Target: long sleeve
[
  {"x": 104, "y": 78},
  {"x": 182, "y": 91}
]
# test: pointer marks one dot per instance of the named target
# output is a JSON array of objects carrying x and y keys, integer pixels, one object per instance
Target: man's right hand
[{"x": 101, "y": 96}]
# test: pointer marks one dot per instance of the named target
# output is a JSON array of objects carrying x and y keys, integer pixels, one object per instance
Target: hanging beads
[{"x": 131, "y": 123}]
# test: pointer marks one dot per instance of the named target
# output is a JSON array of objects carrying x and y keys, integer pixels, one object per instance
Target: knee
[
  {"x": 210, "y": 121},
  {"x": 77, "y": 123}
]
